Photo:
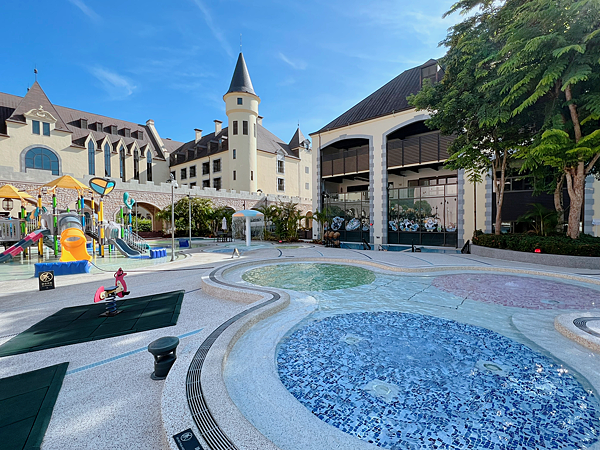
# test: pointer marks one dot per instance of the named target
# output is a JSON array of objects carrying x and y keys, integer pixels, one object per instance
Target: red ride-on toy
[{"x": 110, "y": 294}]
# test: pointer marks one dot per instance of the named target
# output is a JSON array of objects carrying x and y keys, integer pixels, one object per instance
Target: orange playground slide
[{"x": 73, "y": 243}]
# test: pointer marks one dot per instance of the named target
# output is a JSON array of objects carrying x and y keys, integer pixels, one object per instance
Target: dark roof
[
  {"x": 386, "y": 100},
  {"x": 8, "y": 103},
  {"x": 241, "y": 81},
  {"x": 297, "y": 139},
  {"x": 12, "y": 108},
  {"x": 35, "y": 98},
  {"x": 265, "y": 141}
]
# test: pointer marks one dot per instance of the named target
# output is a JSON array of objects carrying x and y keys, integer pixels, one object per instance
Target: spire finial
[
  {"x": 240, "y": 42},
  {"x": 35, "y": 71}
]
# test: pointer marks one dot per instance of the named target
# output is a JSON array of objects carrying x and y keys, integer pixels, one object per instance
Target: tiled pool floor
[{"x": 382, "y": 378}]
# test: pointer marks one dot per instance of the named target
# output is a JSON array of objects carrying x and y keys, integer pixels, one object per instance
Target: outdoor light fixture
[
  {"x": 174, "y": 186},
  {"x": 190, "y": 216}
]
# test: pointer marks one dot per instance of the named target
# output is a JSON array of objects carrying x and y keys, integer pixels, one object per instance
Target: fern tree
[
  {"x": 466, "y": 103},
  {"x": 551, "y": 60}
]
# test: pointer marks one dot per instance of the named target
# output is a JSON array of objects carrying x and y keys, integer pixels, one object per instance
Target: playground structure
[
  {"x": 22, "y": 244},
  {"x": 67, "y": 232},
  {"x": 72, "y": 238},
  {"x": 110, "y": 295}
]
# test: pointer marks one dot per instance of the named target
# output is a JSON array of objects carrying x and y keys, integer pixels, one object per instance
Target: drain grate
[
  {"x": 210, "y": 431},
  {"x": 581, "y": 323}
]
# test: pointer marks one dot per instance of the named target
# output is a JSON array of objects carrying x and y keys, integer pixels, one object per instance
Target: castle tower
[{"x": 241, "y": 106}]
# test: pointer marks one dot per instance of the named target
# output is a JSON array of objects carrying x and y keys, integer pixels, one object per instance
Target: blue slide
[{"x": 124, "y": 248}]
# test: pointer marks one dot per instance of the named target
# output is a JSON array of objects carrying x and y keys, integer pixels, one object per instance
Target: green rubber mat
[
  {"x": 26, "y": 403},
  {"x": 82, "y": 324}
]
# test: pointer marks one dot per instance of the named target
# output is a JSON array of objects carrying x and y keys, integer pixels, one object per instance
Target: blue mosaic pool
[{"x": 412, "y": 381}]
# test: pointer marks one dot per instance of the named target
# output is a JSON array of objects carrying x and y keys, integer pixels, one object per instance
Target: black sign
[
  {"x": 46, "y": 280},
  {"x": 186, "y": 440}
]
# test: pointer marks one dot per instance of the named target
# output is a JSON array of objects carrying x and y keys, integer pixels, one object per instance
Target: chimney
[
  {"x": 259, "y": 120},
  {"x": 198, "y": 134},
  {"x": 218, "y": 124}
]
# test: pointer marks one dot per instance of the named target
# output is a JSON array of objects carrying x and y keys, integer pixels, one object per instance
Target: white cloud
[
  {"x": 287, "y": 82},
  {"x": 216, "y": 31},
  {"x": 117, "y": 86},
  {"x": 298, "y": 64},
  {"x": 86, "y": 10}
]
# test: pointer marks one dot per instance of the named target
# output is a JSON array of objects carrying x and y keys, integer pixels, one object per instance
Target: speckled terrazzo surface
[
  {"x": 521, "y": 292},
  {"x": 309, "y": 277},
  {"x": 467, "y": 388}
]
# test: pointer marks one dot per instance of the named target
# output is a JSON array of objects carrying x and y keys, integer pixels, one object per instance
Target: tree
[
  {"x": 542, "y": 219},
  {"x": 465, "y": 104},
  {"x": 285, "y": 217},
  {"x": 202, "y": 215},
  {"x": 550, "y": 61},
  {"x": 218, "y": 214}
]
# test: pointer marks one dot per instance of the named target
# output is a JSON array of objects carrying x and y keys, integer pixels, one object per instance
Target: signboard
[
  {"x": 46, "y": 280},
  {"x": 186, "y": 440}
]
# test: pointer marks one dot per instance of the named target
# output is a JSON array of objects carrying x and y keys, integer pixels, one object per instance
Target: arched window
[
  {"x": 41, "y": 158},
  {"x": 122, "y": 163},
  {"x": 136, "y": 164},
  {"x": 91, "y": 158},
  {"x": 107, "y": 160},
  {"x": 149, "y": 165}
]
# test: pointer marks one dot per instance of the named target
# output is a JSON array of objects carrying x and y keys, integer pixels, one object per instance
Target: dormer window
[
  {"x": 83, "y": 123},
  {"x": 99, "y": 126},
  {"x": 139, "y": 134},
  {"x": 127, "y": 132},
  {"x": 35, "y": 126},
  {"x": 46, "y": 128},
  {"x": 113, "y": 129},
  {"x": 429, "y": 72}
]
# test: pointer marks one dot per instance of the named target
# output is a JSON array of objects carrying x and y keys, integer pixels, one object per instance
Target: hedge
[{"x": 586, "y": 245}]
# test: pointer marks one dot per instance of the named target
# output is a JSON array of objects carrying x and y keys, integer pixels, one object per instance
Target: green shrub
[
  {"x": 142, "y": 224},
  {"x": 586, "y": 245}
]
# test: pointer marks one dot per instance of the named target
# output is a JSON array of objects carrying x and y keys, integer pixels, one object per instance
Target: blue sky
[{"x": 173, "y": 61}]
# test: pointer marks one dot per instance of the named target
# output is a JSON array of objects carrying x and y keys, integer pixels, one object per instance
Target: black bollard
[{"x": 163, "y": 350}]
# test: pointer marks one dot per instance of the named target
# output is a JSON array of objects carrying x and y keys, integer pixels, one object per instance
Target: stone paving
[{"x": 108, "y": 400}]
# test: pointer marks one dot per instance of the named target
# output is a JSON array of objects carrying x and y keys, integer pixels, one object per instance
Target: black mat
[
  {"x": 82, "y": 324},
  {"x": 26, "y": 403}
]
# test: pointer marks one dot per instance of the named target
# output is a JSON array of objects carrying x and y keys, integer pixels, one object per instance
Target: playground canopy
[
  {"x": 9, "y": 191},
  {"x": 67, "y": 182}
]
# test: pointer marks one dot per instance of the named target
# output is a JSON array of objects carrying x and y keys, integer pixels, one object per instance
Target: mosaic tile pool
[
  {"x": 412, "y": 381},
  {"x": 520, "y": 292},
  {"x": 309, "y": 277}
]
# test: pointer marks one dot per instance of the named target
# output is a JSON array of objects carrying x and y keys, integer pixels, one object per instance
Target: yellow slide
[{"x": 73, "y": 243}]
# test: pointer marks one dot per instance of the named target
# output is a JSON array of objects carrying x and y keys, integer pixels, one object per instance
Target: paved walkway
[{"x": 108, "y": 400}]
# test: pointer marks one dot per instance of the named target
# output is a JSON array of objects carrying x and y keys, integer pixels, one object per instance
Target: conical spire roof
[
  {"x": 35, "y": 98},
  {"x": 297, "y": 139},
  {"x": 241, "y": 81}
]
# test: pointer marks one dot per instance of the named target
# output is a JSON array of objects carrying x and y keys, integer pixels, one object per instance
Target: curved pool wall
[{"x": 257, "y": 347}]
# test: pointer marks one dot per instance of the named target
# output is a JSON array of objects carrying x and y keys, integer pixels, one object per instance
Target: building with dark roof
[
  {"x": 379, "y": 170},
  {"x": 40, "y": 141},
  {"x": 244, "y": 155},
  {"x": 77, "y": 142}
]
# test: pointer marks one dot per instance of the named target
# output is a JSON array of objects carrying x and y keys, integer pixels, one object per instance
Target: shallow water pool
[{"x": 309, "y": 276}]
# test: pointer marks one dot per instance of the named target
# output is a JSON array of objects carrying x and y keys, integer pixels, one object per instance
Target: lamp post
[
  {"x": 190, "y": 217},
  {"x": 173, "y": 187}
]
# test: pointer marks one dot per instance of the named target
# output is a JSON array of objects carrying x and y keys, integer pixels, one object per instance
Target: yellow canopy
[
  {"x": 9, "y": 191},
  {"x": 66, "y": 182}
]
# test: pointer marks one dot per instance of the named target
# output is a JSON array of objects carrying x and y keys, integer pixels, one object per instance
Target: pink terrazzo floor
[{"x": 519, "y": 292}]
